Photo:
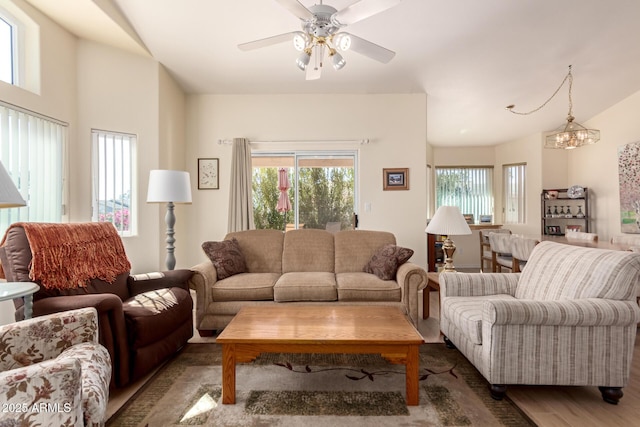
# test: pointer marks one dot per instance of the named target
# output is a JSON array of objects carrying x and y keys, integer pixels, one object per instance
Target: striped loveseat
[{"x": 569, "y": 318}]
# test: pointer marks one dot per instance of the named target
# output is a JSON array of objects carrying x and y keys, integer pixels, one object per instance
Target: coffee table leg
[
  {"x": 412, "y": 370},
  {"x": 228, "y": 374}
]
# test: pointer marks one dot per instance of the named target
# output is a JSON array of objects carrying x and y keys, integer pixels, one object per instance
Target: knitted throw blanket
[{"x": 67, "y": 256}]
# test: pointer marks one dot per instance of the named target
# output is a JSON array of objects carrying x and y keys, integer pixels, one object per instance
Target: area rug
[{"x": 316, "y": 390}]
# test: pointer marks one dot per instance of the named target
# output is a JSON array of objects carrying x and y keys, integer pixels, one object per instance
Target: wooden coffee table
[{"x": 320, "y": 329}]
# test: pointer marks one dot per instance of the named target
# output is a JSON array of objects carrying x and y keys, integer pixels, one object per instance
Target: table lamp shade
[
  {"x": 169, "y": 186},
  {"x": 448, "y": 221},
  {"x": 9, "y": 195}
]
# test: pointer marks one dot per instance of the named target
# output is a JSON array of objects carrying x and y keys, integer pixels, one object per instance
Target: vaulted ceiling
[{"x": 471, "y": 57}]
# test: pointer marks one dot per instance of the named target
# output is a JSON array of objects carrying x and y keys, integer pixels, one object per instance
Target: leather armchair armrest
[
  {"x": 141, "y": 283},
  {"x": 112, "y": 329}
]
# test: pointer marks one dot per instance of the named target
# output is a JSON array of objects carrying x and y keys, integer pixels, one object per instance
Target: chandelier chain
[{"x": 569, "y": 77}]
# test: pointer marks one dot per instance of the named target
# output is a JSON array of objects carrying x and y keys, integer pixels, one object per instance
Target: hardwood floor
[
  {"x": 562, "y": 406},
  {"x": 546, "y": 406}
]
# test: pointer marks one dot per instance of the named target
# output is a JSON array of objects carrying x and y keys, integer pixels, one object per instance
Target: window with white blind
[
  {"x": 32, "y": 150},
  {"x": 514, "y": 193},
  {"x": 468, "y": 188},
  {"x": 7, "y": 48},
  {"x": 114, "y": 186}
]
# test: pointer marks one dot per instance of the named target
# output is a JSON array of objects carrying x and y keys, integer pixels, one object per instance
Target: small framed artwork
[
  {"x": 571, "y": 228},
  {"x": 486, "y": 219},
  {"x": 553, "y": 230},
  {"x": 208, "y": 174},
  {"x": 395, "y": 179},
  {"x": 469, "y": 218}
]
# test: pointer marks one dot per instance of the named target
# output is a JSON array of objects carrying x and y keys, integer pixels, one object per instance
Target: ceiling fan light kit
[
  {"x": 571, "y": 134},
  {"x": 320, "y": 33}
]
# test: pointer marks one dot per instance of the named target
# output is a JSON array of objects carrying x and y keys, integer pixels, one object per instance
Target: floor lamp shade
[
  {"x": 448, "y": 221},
  {"x": 9, "y": 195},
  {"x": 169, "y": 186}
]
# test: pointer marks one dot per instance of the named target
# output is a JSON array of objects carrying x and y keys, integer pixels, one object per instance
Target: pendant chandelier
[{"x": 571, "y": 134}]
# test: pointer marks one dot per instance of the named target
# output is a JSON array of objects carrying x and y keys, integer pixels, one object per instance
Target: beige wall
[{"x": 395, "y": 124}]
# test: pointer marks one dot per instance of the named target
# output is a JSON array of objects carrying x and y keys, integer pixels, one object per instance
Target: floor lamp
[
  {"x": 448, "y": 221},
  {"x": 169, "y": 186},
  {"x": 9, "y": 195}
]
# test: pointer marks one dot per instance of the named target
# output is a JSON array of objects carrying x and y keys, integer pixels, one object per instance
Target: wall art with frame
[
  {"x": 208, "y": 178},
  {"x": 395, "y": 179}
]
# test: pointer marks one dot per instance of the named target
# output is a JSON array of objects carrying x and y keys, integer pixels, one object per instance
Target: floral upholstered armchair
[{"x": 53, "y": 371}]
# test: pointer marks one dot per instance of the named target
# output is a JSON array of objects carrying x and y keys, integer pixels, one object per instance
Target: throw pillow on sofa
[
  {"x": 385, "y": 261},
  {"x": 226, "y": 257}
]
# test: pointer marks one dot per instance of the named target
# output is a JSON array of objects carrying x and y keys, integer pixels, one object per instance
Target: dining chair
[
  {"x": 581, "y": 236},
  {"x": 501, "y": 256},
  {"x": 521, "y": 248},
  {"x": 485, "y": 246}
]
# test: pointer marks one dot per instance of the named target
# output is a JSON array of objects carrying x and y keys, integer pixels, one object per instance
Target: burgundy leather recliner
[{"x": 143, "y": 319}]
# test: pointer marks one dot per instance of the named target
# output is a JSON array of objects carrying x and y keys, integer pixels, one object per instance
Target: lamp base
[{"x": 449, "y": 249}]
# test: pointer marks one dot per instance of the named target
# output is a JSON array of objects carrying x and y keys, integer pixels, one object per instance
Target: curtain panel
[{"x": 240, "y": 196}]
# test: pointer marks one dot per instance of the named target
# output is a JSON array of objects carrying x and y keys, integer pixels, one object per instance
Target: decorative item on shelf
[
  {"x": 469, "y": 218},
  {"x": 572, "y": 228},
  {"x": 448, "y": 221},
  {"x": 555, "y": 212},
  {"x": 580, "y": 214},
  {"x": 570, "y": 135},
  {"x": 575, "y": 192},
  {"x": 551, "y": 194},
  {"x": 568, "y": 214},
  {"x": 554, "y": 230},
  {"x": 548, "y": 214},
  {"x": 486, "y": 219},
  {"x": 169, "y": 186}
]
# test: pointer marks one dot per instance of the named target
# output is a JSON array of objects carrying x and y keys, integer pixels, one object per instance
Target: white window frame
[
  {"x": 480, "y": 198},
  {"x": 34, "y": 153},
  {"x": 514, "y": 195},
  {"x": 114, "y": 174},
  {"x": 17, "y": 54}
]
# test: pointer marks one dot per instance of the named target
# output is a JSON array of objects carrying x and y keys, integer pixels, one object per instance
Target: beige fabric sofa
[
  {"x": 303, "y": 267},
  {"x": 570, "y": 318}
]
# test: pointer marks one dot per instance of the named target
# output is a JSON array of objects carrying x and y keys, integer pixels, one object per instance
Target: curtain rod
[{"x": 325, "y": 141}]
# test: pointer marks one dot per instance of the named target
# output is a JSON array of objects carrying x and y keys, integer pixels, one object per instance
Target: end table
[
  {"x": 433, "y": 284},
  {"x": 24, "y": 290}
]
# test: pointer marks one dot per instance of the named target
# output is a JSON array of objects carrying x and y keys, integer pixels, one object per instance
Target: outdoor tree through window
[{"x": 322, "y": 190}]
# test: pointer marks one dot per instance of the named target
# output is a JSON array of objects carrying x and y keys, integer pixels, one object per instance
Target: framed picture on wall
[
  {"x": 208, "y": 174},
  {"x": 395, "y": 179}
]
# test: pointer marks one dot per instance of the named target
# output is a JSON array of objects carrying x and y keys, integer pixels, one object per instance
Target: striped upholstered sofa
[{"x": 569, "y": 318}]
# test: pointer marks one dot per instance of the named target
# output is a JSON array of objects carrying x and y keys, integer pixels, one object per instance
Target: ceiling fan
[{"x": 321, "y": 34}]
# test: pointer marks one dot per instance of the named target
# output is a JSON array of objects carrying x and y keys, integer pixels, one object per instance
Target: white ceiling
[{"x": 471, "y": 57}]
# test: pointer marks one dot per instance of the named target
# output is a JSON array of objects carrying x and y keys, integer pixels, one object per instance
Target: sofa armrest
[
  {"x": 477, "y": 284},
  {"x": 411, "y": 278},
  {"x": 141, "y": 283},
  {"x": 19, "y": 386},
  {"x": 203, "y": 279},
  {"x": 576, "y": 312},
  {"x": 53, "y": 334}
]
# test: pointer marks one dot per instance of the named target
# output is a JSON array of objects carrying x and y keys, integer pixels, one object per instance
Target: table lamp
[
  {"x": 448, "y": 221},
  {"x": 169, "y": 186}
]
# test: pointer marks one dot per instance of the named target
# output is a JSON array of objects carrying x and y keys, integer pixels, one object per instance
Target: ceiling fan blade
[
  {"x": 314, "y": 68},
  {"x": 369, "y": 49},
  {"x": 297, "y": 8},
  {"x": 361, "y": 10},
  {"x": 257, "y": 44}
]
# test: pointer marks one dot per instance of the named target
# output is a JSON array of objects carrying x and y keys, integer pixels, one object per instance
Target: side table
[
  {"x": 433, "y": 284},
  {"x": 24, "y": 290}
]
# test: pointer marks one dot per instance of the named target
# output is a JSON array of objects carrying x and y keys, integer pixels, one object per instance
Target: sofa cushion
[
  {"x": 360, "y": 286},
  {"x": 385, "y": 261},
  {"x": 308, "y": 250},
  {"x": 466, "y": 313},
  {"x": 150, "y": 315},
  {"x": 354, "y": 248},
  {"x": 305, "y": 286},
  {"x": 245, "y": 287},
  {"x": 262, "y": 249},
  {"x": 557, "y": 271},
  {"x": 226, "y": 257}
]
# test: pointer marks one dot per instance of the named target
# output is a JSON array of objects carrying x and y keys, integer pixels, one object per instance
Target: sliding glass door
[{"x": 321, "y": 187}]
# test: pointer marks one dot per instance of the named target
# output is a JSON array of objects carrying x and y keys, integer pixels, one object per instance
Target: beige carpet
[{"x": 317, "y": 390}]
